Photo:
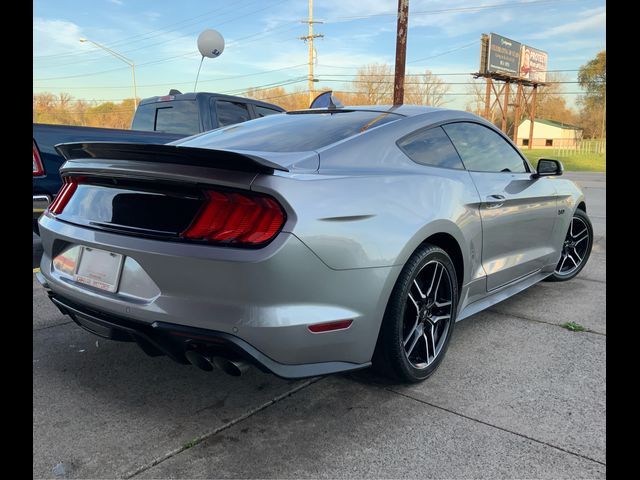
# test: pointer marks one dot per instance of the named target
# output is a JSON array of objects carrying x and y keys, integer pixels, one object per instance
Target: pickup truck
[{"x": 160, "y": 119}]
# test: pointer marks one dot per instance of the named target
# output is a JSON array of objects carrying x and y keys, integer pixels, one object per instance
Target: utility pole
[
  {"x": 516, "y": 120},
  {"x": 309, "y": 38},
  {"x": 401, "y": 51},
  {"x": 532, "y": 119}
]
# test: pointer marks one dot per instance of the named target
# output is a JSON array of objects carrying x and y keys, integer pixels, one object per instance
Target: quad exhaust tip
[
  {"x": 199, "y": 360},
  {"x": 235, "y": 368}
]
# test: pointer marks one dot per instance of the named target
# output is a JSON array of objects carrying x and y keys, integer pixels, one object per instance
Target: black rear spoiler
[{"x": 200, "y": 157}]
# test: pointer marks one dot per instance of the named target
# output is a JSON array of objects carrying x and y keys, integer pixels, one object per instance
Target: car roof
[{"x": 404, "y": 110}]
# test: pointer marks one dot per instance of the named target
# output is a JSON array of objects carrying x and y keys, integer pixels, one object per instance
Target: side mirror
[{"x": 548, "y": 168}]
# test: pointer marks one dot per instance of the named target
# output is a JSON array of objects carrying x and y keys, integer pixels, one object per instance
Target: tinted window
[
  {"x": 431, "y": 147},
  {"x": 292, "y": 132},
  {"x": 178, "y": 117},
  {"x": 230, "y": 113},
  {"x": 145, "y": 118},
  {"x": 482, "y": 149},
  {"x": 264, "y": 111}
]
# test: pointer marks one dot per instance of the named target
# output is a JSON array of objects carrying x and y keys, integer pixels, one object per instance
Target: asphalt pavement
[{"x": 517, "y": 395}]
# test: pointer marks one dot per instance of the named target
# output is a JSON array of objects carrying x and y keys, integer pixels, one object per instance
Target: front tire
[
  {"x": 575, "y": 249},
  {"x": 419, "y": 318}
]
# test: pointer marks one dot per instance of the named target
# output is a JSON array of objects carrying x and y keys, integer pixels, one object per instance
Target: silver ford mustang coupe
[{"x": 308, "y": 242}]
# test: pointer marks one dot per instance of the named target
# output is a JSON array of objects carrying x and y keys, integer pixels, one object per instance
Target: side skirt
[{"x": 502, "y": 294}]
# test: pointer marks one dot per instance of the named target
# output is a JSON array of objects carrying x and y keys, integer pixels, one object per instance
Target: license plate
[{"x": 99, "y": 269}]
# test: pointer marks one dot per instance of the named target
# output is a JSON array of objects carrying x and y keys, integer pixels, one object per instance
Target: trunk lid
[{"x": 162, "y": 191}]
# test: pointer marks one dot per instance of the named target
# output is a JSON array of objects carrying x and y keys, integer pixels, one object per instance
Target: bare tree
[
  {"x": 299, "y": 98},
  {"x": 552, "y": 104},
  {"x": 428, "y": 89},
  {"x": 476, "y": 93},
  {"x": 62, "y": 109},
  {"x": 375, "y": 83}
]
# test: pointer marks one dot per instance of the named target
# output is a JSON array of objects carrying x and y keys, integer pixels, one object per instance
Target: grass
[
  {"x": 574, "y": 162},
  {"x": 574, "y": 327},
  {"x": 191, "y": 443}
]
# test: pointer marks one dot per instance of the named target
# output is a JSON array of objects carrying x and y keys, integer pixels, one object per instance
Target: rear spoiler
[{"x": 176, "y": 154}]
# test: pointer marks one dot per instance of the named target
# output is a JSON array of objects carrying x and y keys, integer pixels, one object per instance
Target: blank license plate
[{"x": 99, "y": 269}]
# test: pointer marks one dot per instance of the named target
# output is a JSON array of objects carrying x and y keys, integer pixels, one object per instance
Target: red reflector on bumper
[{"x": 331, "y": 326}]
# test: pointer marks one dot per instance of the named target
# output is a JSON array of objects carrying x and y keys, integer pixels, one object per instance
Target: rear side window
[
  {"x": 145, "y": 118},
  {"x": 180, "y": 116},
  {"x": 229, "y": 113},
  {"x": 483, "y": 150},
  {"x": 264, "y": 111},
  {"x": 431, "y": 147}
]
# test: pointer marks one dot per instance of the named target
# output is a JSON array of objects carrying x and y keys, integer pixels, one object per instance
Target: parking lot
[{"x": 517, "y": 395}]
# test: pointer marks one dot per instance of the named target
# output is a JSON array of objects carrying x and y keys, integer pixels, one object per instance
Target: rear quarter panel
[{"x": 371, "y": 206}]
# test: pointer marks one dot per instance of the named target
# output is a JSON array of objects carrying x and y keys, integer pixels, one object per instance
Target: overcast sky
[{"x": 262, "y": 45}]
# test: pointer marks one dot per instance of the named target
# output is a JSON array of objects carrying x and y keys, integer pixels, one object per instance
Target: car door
[{"x": 518, "y": 212}]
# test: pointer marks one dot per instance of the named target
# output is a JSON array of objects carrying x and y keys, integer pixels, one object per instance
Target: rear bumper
[
  {"x": 173, "y": 340},
  {"x": 261, "y": 299}
]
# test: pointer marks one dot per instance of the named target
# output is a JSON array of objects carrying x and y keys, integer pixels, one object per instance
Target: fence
[{"x": 583, "y": 147}]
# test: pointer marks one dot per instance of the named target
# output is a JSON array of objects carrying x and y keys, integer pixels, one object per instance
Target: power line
[
  {"x": 338, "y": 79},
  {"x": 438, "y": 83},
  {"x": 159, "y": 31},
  {"x": 421, "y": 74},
  {"x": 220, "y": 79},
  {"x": 301, "y": 92},
  {"x": 232, "y": 43},
  {"x": 267, "y": 86},
  {"x": 152, "y": 62},
  {"x": 475, "y": 42},
  {"x": 187, "y": 34},
  {"x": 450, "y": 10},
  {"x": 389, "y": 93},
  {"x": 295, "y": 93}
]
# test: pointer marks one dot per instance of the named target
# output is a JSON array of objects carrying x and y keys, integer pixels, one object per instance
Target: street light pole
[{"x": 125, "y": 60}]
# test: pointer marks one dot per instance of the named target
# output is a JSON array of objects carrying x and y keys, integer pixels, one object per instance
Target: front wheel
[
  {"x": 419, "y": 318},
  {"x": 575, "y": 249}
]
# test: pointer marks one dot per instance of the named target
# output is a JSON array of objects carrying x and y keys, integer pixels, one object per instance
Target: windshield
[{"x": 292, "y": 132}]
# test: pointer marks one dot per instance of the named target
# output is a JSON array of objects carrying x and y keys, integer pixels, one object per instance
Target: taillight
[
  {"x": 236, "y": 218},
  {"x": 64, "y": 195},
  {"x": 38, "y": 168}
]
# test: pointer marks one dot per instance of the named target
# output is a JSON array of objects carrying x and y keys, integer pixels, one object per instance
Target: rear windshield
[
  {"x": 170, "y": 117},
  {"x": 292, "y": 132}
]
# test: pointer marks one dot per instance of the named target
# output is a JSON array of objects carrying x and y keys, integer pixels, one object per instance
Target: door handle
[{"x": 495, "y": 201}]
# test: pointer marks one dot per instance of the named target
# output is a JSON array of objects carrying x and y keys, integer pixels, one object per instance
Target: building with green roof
[{"x": 549, "y": 134}]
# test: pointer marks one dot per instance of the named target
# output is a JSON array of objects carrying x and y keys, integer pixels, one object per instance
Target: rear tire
[
  {"x": 575, "y": 249},
  {"x": 420, "y": 317}
]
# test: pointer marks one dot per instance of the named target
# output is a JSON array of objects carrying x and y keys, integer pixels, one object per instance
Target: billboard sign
[
  {"x": 533, "y": 64},
  {"x": 504, "y": 55}
]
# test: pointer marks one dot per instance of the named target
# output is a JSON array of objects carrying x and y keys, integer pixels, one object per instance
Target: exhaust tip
[
  {"x": 235, "y": 368},
  {"x": 199, "y": 360}
]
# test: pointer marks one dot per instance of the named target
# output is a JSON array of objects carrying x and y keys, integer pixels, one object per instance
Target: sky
[{"x": 262, "y": 45}]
